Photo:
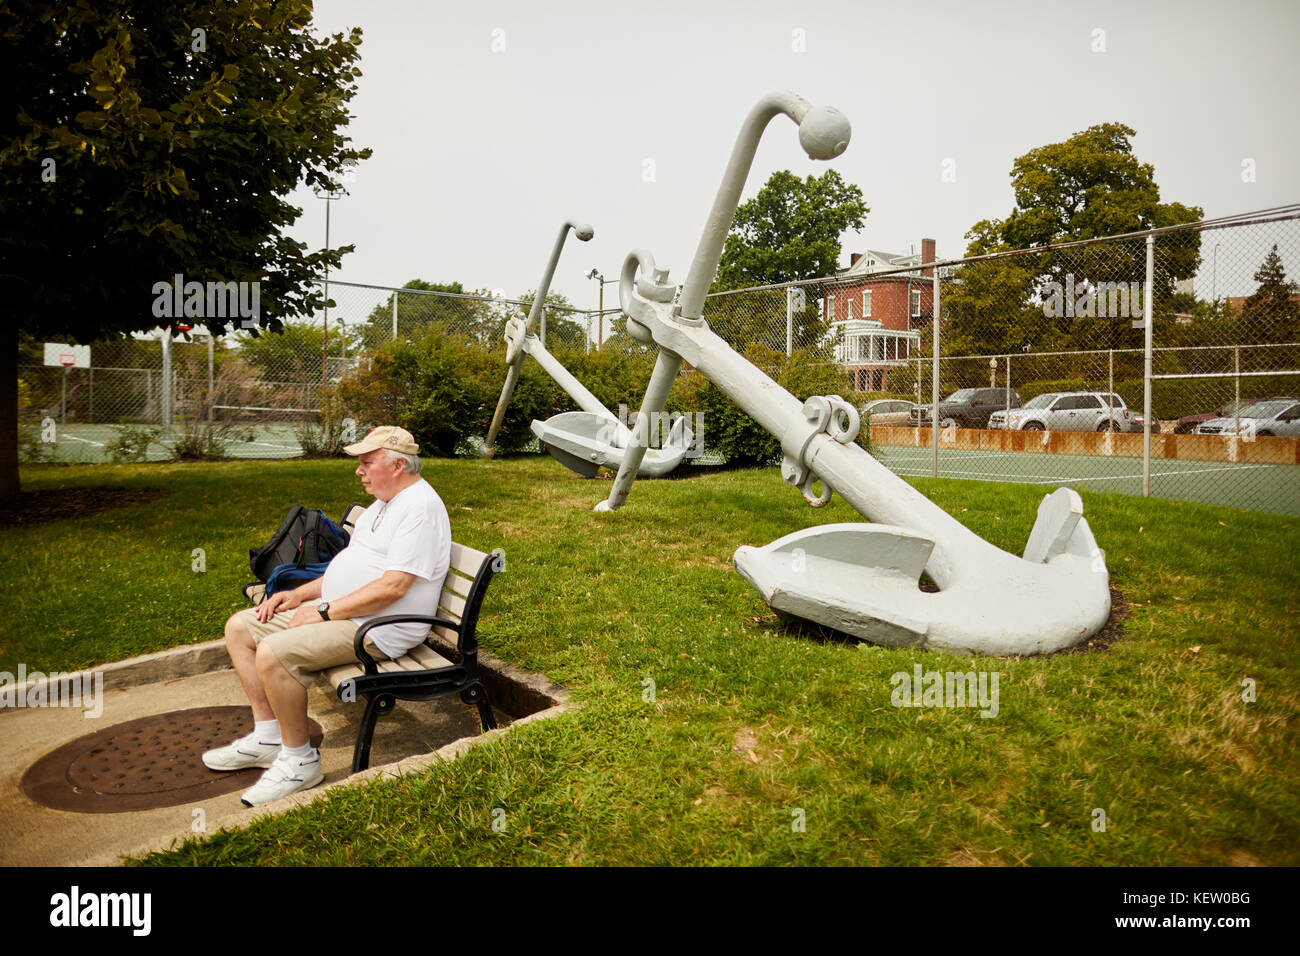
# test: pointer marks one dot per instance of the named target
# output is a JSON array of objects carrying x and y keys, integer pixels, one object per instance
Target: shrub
[
  {"x": 31, "y": 447},
  {"x": 735, "y": 435},
  {"x": 444, "y": 389},
  {"x": 131, "y": 444}
]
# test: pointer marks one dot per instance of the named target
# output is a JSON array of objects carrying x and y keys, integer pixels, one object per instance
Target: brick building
[{"x": 875, "y": 317}]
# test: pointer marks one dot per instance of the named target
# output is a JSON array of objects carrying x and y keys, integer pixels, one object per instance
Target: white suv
[{"x": 1067, "y": 412}]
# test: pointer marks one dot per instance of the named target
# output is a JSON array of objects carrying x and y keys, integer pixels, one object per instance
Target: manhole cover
[{"x": 144, "y": 764}]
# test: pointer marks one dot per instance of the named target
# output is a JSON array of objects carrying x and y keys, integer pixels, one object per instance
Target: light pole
[
  {"x": 329, "y": 196},
  {"x": 600, "y": 317}
]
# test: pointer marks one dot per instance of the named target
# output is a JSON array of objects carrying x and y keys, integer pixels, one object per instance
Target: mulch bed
[{"x": 60, "y": 504}]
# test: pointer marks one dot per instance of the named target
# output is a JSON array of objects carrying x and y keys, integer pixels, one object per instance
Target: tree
[
  {"x": 1088, "y": 187},
  {"x": 292, "y": 353},
  {"x": 149, "y": 140},
  {"x": 564, "y": 330},
  {"x": 791, "y": 230},
  {"x": 457, "y": 311},
  {"x": 1272, "y": 314}
]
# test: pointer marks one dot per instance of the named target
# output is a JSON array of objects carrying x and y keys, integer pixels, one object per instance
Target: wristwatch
[{"x": 323, "y": 609}]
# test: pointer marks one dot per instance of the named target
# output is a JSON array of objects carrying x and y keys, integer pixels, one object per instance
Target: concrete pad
[{"x": 416, "y": 735}]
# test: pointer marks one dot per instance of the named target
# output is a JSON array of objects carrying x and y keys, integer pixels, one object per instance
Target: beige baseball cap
[{"x": 388, "y": 437}]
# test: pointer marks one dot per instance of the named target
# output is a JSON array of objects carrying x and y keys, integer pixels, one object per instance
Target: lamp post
[
  {"x": 329, "y": 196},
  {"x": 600, "y": 317}
]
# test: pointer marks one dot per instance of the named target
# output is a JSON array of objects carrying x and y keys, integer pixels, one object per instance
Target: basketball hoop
[{"x": 67, "y": 360}]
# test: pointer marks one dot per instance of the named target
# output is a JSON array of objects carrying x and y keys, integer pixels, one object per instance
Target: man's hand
[
  {"x": 305, "y": 615},
  {"x": 279, "y": 601}
]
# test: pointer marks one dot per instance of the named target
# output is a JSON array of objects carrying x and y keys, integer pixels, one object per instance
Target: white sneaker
[
  {"x": 286, "y": 775},
  {"x": 244, "y": 752}
]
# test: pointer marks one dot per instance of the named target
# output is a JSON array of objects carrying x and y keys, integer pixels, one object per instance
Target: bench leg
[
  {"x": 476, "y": 694},
  {"x": 376, "y": 707}
]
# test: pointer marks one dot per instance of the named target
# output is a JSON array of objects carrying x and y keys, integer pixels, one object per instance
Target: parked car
[
  {"x": 1068, "y": 412},
  {"x": 887, "y": 411},
  {"x": 1187, "y": 424},
  {"x": 1269, "y": 417},
  {"x": 1135, "y": 422},
  {"x": 967, "y": 407}
]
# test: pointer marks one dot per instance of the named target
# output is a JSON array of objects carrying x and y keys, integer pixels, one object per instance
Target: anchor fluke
[{"x": 859, "y": 578}]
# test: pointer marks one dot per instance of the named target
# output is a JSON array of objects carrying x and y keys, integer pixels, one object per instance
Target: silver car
[
  {"x": 1271, "y": 417},
  {"x": 1067, "y": 412}
]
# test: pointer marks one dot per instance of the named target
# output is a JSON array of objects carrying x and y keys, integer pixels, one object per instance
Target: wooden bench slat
[
  {"x": 427, "y": 658},
  {"x": 453, "y": 604},
  {"x": 422, "y": 658},
  {"x": 456, "y": 584},
  {"x": 350, "y": 519},
  {"x": 466, "y": 560},
  {"x": 337, "y": 675}
]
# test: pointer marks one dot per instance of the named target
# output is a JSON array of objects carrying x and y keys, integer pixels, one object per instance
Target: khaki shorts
[{"x": 310, "y": 648}]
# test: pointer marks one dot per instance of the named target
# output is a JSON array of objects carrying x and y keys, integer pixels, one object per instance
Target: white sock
[
  {"x": 268, "y": 731},
  {"x": 303, "y": 752}
]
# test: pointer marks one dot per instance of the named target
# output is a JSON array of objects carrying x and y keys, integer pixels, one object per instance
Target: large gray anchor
[
  {"x": 583, "y": 441},
  {"x": 862, "y": 579}
]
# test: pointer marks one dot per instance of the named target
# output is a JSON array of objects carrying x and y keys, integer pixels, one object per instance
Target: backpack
[
  {"x": 304, "y": 537},
  {"x": 288, "y": 576}
]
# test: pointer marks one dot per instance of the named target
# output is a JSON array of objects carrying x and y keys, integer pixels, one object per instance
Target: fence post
[
  {"x": 1006, "y": 422},
  {"x": 1236, "y": 392},
  {"x": 211, "y": 399},
  {"x": 934, "y": 384},
  {"x": 789, "y": 322},
  {"x": 1148, "y": 323},
  {"x": 1110, "y": 386},
  {"x": 165, "y": 398},
  {"x": 395, "y": 295}
]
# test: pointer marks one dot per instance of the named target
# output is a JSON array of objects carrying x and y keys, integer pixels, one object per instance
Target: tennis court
[
  {"x": 1256, "y": 487},
  {"x": 87, "y": 443},
  {"x": 1248, "y": 485}
]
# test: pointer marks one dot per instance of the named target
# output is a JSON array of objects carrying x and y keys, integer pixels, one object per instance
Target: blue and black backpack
[{"x": 300, "y": 549}]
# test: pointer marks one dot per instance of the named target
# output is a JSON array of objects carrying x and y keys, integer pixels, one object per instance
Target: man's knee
[
  {"x": 237, "y": 635},
  {"x": 266, "y": 659}
]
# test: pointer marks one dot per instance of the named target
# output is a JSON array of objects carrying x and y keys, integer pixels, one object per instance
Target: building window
[
  {"x": 916, "y": 304},
  {"x": 830, "y": 306},
  {"x": 866, "y": 304}
]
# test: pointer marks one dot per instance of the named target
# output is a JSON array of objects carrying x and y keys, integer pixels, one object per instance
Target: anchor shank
[{"x": 709, "y": 251}]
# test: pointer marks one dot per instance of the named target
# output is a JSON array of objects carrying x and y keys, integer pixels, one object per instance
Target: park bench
[{"x": 423, "y": 673}]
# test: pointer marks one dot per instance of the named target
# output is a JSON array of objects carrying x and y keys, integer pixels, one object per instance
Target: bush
[
  {"x": 732, "y": 433},
  {"x": 31, "y": 447},
  {"x": 131, "y": 444},
  {"x": 444, "y": 389},
  {"x": 325, "y": 437}
]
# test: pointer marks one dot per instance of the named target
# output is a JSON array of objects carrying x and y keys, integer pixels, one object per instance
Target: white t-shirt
[{"x": 411, "y": 533}]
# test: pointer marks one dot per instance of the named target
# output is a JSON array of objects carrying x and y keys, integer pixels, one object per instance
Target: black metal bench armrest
[{"x": 358, "y": 642}]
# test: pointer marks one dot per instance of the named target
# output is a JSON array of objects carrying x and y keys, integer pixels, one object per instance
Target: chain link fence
[
  {"x": 159, "y": 396},
  {"x": 1042, "y": 373}
]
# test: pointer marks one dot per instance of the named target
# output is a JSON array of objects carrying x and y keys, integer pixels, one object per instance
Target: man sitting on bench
[{"x": 394, "y": 563}]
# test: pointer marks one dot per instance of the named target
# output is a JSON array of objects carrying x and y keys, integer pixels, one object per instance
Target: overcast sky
[{"x": 492, "y": 123}]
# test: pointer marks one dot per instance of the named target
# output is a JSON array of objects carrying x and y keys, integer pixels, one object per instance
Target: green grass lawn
[{"x": 762, "y": 744}]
